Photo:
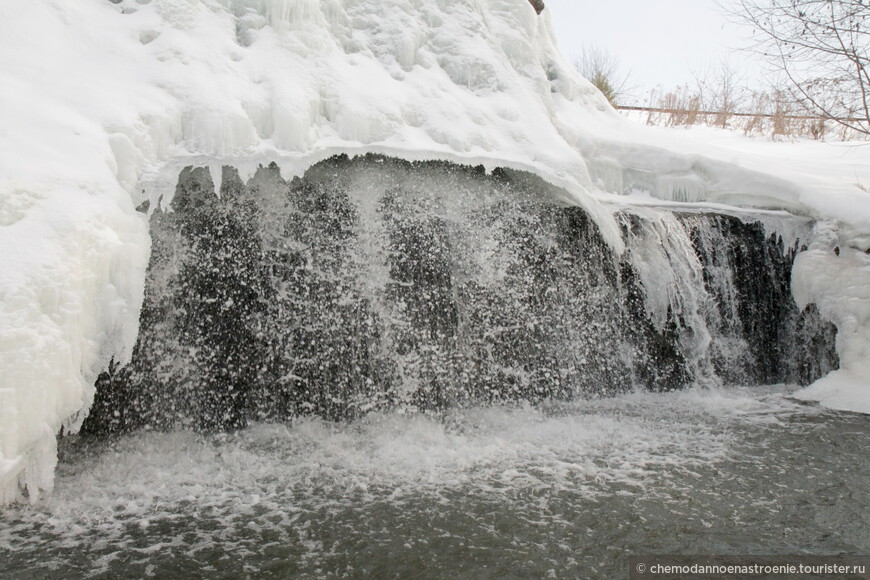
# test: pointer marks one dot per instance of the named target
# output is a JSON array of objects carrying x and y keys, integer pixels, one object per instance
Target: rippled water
[{"x": 563, "y": 491}]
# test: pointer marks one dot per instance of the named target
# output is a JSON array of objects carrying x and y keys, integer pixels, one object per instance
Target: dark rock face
[
  {"x": 538, "y": 5},
  {"x": 375, "y": 283},
  {"x": 779, "y": 343}
]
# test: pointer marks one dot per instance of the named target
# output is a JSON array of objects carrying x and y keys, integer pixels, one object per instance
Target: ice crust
[
  {"x": 103, "y": 102},
  {"x": 839, "y": 283}
]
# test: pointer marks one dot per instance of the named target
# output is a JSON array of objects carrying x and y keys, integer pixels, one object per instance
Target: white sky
[{"x": 657, "y": 42}]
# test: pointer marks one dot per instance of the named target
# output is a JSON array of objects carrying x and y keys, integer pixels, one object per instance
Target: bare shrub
[{"x": 602, "y": 69}]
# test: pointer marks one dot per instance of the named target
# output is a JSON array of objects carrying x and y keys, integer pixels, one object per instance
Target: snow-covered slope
[{"x": 104, "y": 101}]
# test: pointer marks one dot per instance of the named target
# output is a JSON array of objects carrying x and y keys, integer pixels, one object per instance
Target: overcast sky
[{"x": 658, "y": 42}]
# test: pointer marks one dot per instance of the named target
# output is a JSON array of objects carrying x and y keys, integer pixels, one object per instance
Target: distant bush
[
  {"x": 602, "y": 69},
  {"x": 717, "y": 99}
]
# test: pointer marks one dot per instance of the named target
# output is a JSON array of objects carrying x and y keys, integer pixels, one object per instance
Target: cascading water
[{"x": 372, "y": 283}]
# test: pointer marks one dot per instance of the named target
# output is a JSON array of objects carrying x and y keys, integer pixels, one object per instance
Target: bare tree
[
  {"x": 720, "y": 89},
  {"x": 822, "y": 47},
  {"x": 727, "y": 92},
  {"x": 602, "y": 69}
]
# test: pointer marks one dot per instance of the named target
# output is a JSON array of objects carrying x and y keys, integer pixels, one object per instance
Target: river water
[{"x": 561, "y": 491}]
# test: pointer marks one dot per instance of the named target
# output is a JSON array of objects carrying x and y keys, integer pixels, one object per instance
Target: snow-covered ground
[{"x": 104, "y": 101}]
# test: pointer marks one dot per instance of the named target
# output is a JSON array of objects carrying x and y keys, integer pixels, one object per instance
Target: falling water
[{"x": 374, "y": 284}]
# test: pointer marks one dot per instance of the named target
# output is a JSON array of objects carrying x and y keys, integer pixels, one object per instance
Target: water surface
[{"x": 559, "y": 491}]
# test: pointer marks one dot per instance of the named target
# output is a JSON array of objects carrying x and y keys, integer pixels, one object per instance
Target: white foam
[{"x": 586, "y": 448}]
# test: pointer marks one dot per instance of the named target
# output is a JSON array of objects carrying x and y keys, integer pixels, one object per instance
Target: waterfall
[{"x": 373, "y": 283}]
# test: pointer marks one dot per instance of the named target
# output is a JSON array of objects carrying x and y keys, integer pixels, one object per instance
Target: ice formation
[
  {"x": 105, "y": 101},
  {"x": 835, "y": 274}
]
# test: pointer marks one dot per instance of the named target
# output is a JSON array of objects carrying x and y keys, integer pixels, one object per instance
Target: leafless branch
[{"x": 822, "y": 48}]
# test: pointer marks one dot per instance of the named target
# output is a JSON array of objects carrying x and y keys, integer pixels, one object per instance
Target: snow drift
[{"x": 105, "y": 101}]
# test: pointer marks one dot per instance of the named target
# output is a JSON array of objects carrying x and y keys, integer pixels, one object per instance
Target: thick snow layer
[{"x": 104, "y": 101}]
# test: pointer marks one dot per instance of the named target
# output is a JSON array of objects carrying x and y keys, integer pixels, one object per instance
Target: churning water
[{"x": 561, "y": 491}]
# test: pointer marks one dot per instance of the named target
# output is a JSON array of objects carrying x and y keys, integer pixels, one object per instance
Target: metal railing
[{"x": 739, "y": 114}]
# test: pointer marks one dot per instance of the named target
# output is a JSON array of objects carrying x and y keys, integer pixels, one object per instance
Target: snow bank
[{"x": 104, "y": 102}]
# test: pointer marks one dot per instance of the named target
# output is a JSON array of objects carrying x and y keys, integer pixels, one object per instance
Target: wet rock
[
  {"x": 538, "y": 5},
  {"x": 374, "y": 283}
]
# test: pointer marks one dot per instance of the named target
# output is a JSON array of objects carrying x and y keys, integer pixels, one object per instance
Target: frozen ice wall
[
  {"x": 72, "y": 249},
  {"x": 835, "y": 275}
]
